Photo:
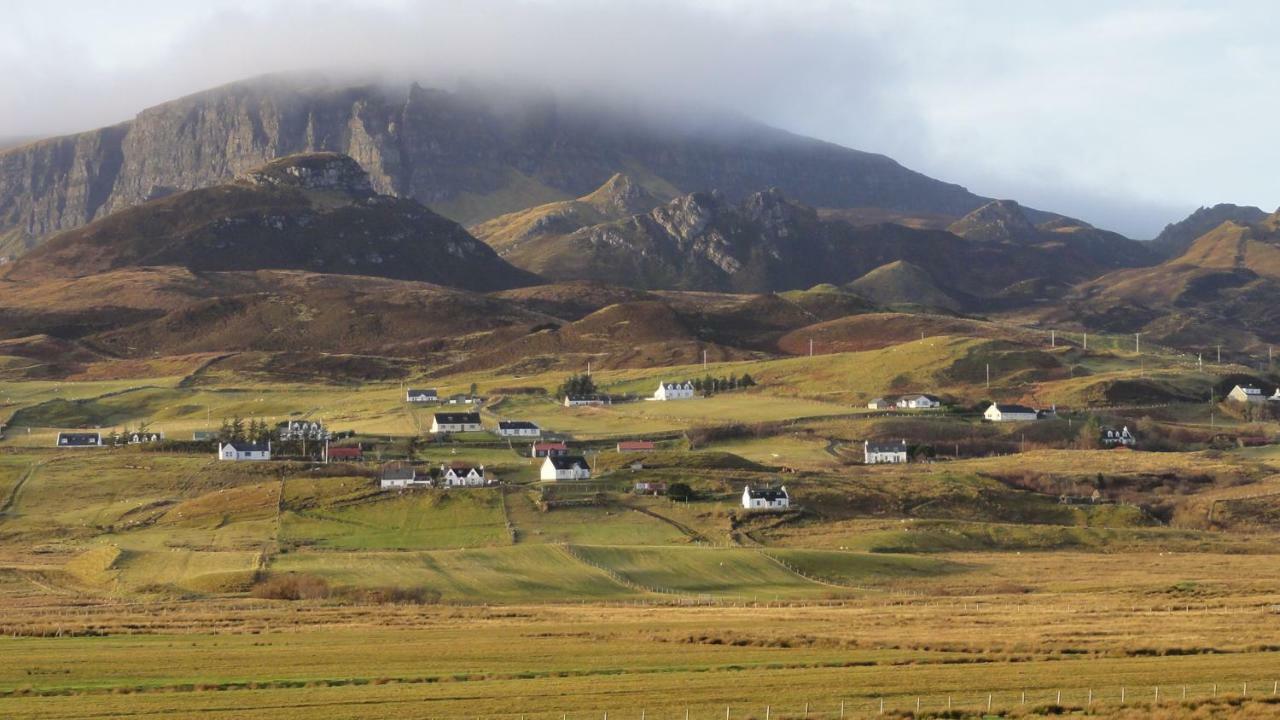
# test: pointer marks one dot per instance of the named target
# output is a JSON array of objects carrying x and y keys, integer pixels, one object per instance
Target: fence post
[
  {"x": 988, "y": 702},
  {"x": 881, "y": 706},
  {"x": 1157, "y": 693},
  {"x": 1122, "y": 694},
  {"x": 1059, "y": 700},
  {"x": 766, "y": 712},
  {"x": 841, "y": 710},
  {"x": 1090, "y": 703}
]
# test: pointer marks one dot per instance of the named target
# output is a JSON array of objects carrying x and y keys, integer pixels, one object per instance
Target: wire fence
[{"x": 952, "y": 705}]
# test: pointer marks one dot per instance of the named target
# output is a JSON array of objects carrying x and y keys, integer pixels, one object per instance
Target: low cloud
[{"x": 1124, "y": 114}]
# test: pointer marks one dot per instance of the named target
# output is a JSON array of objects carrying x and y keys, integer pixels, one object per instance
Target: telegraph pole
[
  {"x": 1086, "y": 340},
  {"x": 988, "y": 376},
  {"x": 810, "y": 347},
  {"x": 1137, "y": 342},
  {"x": 1053, "y": 338},
  {"x": 1219, "y": 354}
]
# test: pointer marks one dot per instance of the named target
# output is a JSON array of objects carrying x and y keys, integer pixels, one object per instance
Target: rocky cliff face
[{"x": 462, "y": 153}]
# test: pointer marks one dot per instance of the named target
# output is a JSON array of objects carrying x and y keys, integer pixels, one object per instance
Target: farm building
[
  {"x": 1247, "y": 394},
  {"x": 203, "y": 435},
  {"x": 518, "y": 428},
  {"x": 765, "y": 498},
  {"x": 650, "y": 488},
  {"x": 918, "y": 402},
  {"x": 543, "y": 449},
  {"x": 462, "y": 399},
  {"x": 79, "y": 439},
  {"x": 880, "y": 404},
  {"x": 636, "y": 446},
  {"x": 244, "y": 451},
  {"x": 876, "y": 453},
  {"x": 456, "y": 422},
  {"x": 1007, "y": 412},
  {"x": 674, "y": 391},
  {"x": 462, "y": 475},
  {"x": 565, "y": 467},
  {"x": 1111, "y": 437},
  {"x": 396, "y": 476},
  {"x": 422, "y": 395},
  {"x": 351, "y": 452},
  {"x": 584, "y": 400}
]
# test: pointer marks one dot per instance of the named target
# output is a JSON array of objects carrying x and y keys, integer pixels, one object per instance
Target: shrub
[{"x": 291, "y": 587}]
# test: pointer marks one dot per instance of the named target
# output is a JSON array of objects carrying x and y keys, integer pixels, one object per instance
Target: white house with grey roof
[
  {"x": 876, "y": 453},
  {"x": 765, "y": 498},
  {"x": 674, "y": 391}
]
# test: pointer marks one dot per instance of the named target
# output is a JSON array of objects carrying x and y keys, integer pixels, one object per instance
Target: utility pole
[
  {"x": 1137, "y": 342},
  {"x": 988, "y": 376},
  {"x": 588, "y": 368},
  {"x": 1219, "y": 354},
  {"x": 810, "y": 347},
  {"x": 1053, "y": 338},
  {"x": 704, "y": 355},
  {"x": 1199, "y": 361}
]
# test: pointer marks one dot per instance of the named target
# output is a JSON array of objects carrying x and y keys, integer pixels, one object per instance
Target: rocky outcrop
[
  {"x": 1177, "y": 238},
  {"x": 463, "y": 153},
  {"x": 314, "y": 212}
]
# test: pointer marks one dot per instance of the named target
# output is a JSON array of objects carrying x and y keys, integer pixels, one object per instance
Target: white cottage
[
  {"x": 1008, "y": 412},
  {"x": 884, "y": 452},
  {"x": 398, "y": 476},
  {"x": 244, "y": 451},
  {"x": 421, "y": 395},
  {"x": 765, "y": 498},
  {"x": 919, "y": 402},
  {"x": 565, "y": 467},
  {"x": 674, "y": 391},
  {"x": 456, "y": 422},
  {"x": 1111, "y": 437},
  {"x": 460, "y": 475},
  {"x": 1246, "y": 394},
  {"x": 518, "y": 428}
]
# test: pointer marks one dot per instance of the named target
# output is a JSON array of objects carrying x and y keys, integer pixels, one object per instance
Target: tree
[
  {"x": 679, "y": 491},
  {"x": 225, "y": 432},
  {"x": 747, "y": 381},
  {"x": 708, "y": 386},
  {"x": 237, "y": 429},
  {"x": 1089, "y": 437},
  {"x": 577, "y": 385},
  {"x": 474, "y": 387}
]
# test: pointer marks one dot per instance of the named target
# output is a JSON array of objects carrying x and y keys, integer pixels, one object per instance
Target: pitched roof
[
  {"x": 550, "y": 446},
  {"x": 345, "y": 451},
  {"x": 770, "y": 494},
  {"x": 1012, "y": 408},
  {"x": 458, "y": 418},
  {"x": 517, "y": 425},
  {"x": 465, "y": 468},
  {"x": 79, "y": 438},
  {"x": 399, "y": 472},
  {"x": 893, "y": 446},
  {"x": 248, "y": 447},
  {"x": 423, "y": 391},
  {"x": 567, "y": 462}
]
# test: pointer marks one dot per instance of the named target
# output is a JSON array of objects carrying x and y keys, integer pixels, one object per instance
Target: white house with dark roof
[
  {"x": 674, "y": 391},
  {"x": 565, "y": 467},
  {"x": 765, "y": 498},
  {"x": 462, "y": 475},
  {"x": 877, "y": 453},
  {"x": 1008, "y": 412},
  {"x": 456, "y": 422},
  {"x": 1111, "y": 437},
  {"x": 421, "y": 395},
  {"x": 918, "y": 402},
  {"x": 518, "y": 428},
  {"x": 1247, "y": 394},
  {"x": 79, "y": 439},
  {"x": 397, "y": 476},
  {"x": 244, "y": 451}
]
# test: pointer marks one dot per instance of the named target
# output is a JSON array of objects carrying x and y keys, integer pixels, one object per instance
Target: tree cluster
[
  {"x": 235, "y": 430},
  {"x": 711, "y": 385},
  {"x": 577, "y": 385}
]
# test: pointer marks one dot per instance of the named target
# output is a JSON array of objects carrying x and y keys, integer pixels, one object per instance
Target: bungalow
[
  {"x": 1007, "y": 412},
  {"x": 396, "y": 476},
  {"x": 346, "y": 452},
  {"x": 880, "y": 404},
  {"x": 919, "y": 402},
  {"x": 636, "y": 446},
  {"x": 79, "y": 439},
  {"x": 674, "y": 391},
  {"x": 244, "y": 451},
  {"x": 543, "y": 449},
  {"x": 1111, "y": 437},
  {"x": 583, "y": 400},
  {"x": 421, "y": 395},
  {"x": 565, "y": 467},
  {"x": 1246, "y": 394},
  {"x": 518, "y": 428},
  {"x": 456, "y": 422},
  {"x": 765, "y": 498},
  {"x": 650, "y": 488},
  {"x": 462, "y": 399},
  {"x": 462, "y": 475},
  {"x": 884, "y": 452}
]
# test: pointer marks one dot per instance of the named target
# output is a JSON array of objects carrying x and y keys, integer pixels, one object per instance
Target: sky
[{"x": 1128, "y": 114}]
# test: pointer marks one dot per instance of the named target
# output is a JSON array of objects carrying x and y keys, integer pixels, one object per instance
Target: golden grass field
[{"x": 128, "y": 576}]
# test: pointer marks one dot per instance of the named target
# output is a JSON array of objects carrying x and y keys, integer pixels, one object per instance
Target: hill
[
  {"x": 1222, "y": 290},
  {"x": 769, "y": 242},
  {"x": 473, "y": 154},
  {"x": 902, "y": 283},
  {"x": 1177, "y": 237},
  {"x": 314, "y": 212}
]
